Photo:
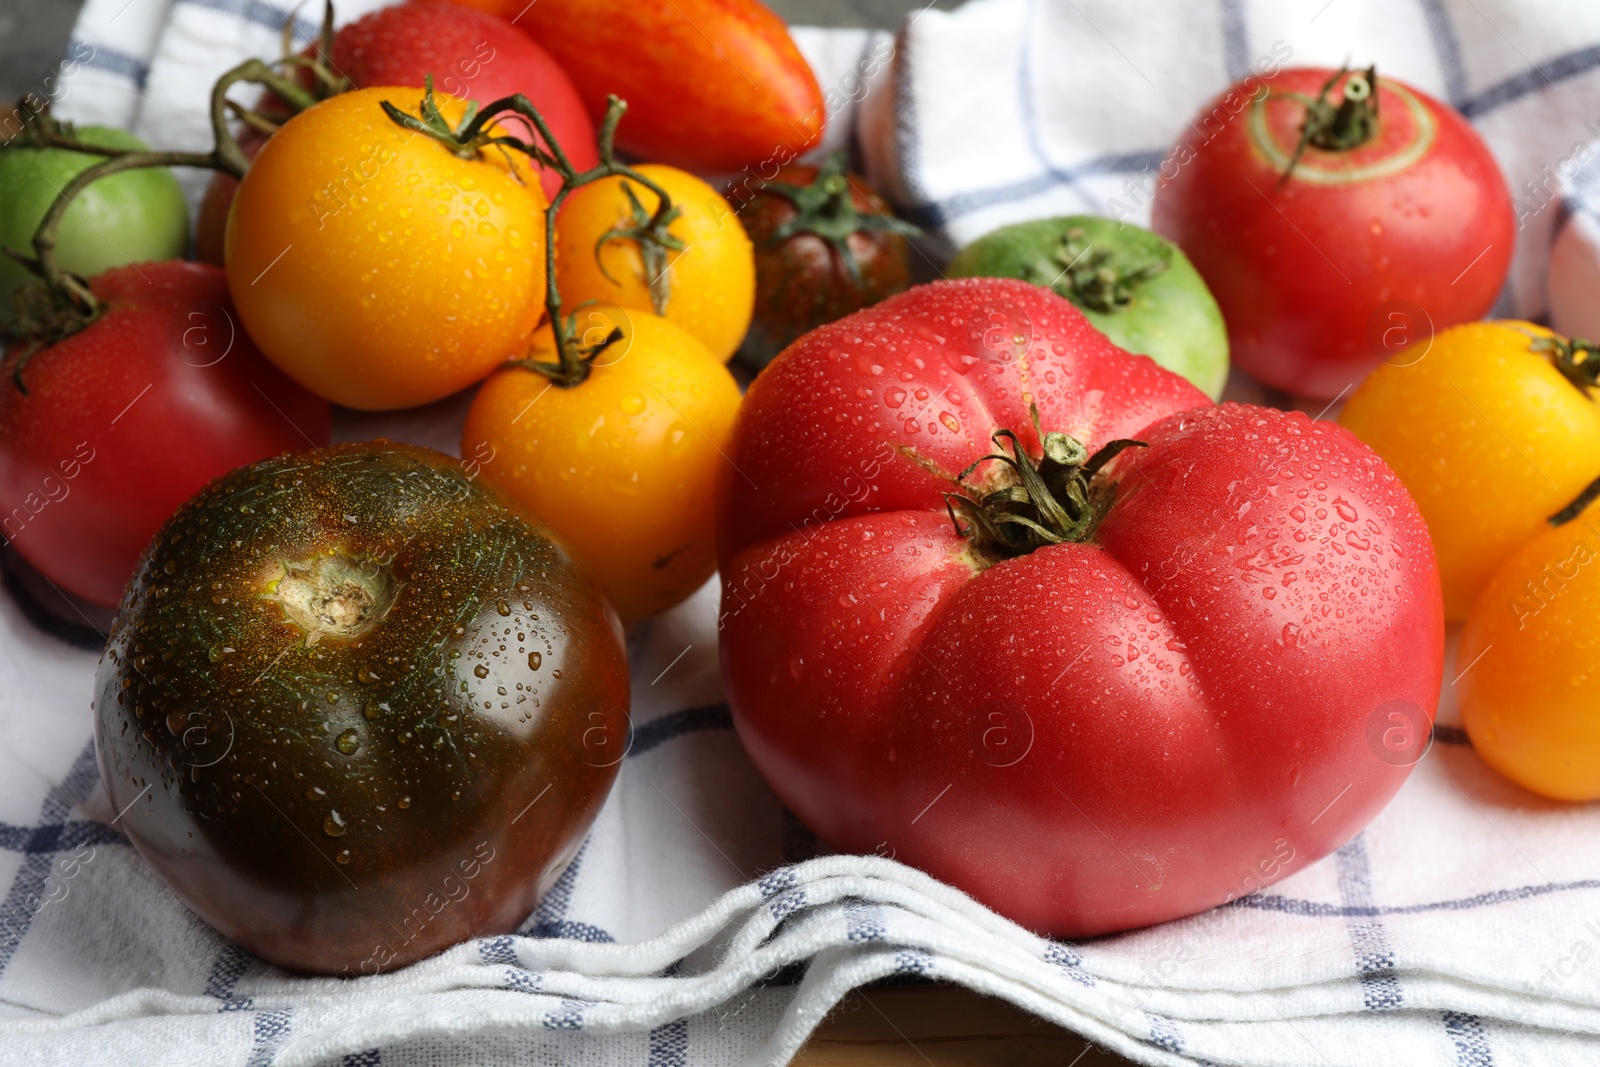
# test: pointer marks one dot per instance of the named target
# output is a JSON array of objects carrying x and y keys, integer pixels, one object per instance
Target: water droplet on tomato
[
  {"x": 334, "y": 825},
  {"x": 677, "y": 439}
]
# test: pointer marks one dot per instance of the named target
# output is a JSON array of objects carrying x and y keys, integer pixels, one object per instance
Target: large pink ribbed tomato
[{"x": 1114, "y": 696}]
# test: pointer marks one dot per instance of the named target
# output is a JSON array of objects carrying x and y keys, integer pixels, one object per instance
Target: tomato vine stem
[
  {"x": 62, "y": 303},
  {"x": 1337, "y": 127},
  {"x": 474, "y": 134}
]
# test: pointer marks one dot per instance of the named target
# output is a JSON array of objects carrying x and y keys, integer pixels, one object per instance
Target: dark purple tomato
[{"x": 355, "y": 710}]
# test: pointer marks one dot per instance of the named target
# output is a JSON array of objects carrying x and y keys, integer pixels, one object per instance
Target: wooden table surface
[{"x": 942, "y": 1026}]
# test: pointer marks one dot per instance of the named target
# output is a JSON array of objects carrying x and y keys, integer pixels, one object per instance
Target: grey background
[{"x": 33, "y": 33}]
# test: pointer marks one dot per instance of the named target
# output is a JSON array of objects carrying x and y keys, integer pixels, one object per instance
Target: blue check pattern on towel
[{"x": 697, "y": 925}]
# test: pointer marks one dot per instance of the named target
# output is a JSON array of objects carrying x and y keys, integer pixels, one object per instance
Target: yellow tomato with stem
[
  {"x": 703, "y": 280},
  {"x": 622, "y": 465},
  {"x": 1530, "y": 692},
  {"x": 1489, "y": 434},
  {"x": 377, "y": 266}
]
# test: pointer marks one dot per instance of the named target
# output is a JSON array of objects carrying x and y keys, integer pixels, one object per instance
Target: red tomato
[
  {"x": 1315, "y": 273},
  {"x": 1092, "y": 735},
  {"x": 470, "y": 53},
  {"x": 711, "y": 85},
  {"x": 130, "y": 417},
  {"x": 211, "y": 224}
]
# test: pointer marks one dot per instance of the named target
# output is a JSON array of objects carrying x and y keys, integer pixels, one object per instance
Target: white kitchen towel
[
  {"x": 1462, "y": 927},
  {"x": 1573, "y": 189}
]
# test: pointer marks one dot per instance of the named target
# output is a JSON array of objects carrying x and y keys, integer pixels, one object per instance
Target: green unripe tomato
[
  {"x": 1137, "y": 288},
  {"x": 132, "y": 217}
]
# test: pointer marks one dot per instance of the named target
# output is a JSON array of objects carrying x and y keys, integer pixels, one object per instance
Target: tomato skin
[
  {"x": 343, "y": 769},
  {"x": 129, "y": 217},
  {"x": 470, "y": 53},
  {"x": 711, "y": 280},
  {"x": 126, "y": 419},
  {"x": 211, "y": 222},
  {"x": 871, "y": 397},
  {"x": 1169, "y": 316},
  {"x": 1303, "y": 269},
  {"x": 1489, "y": 438},
  {"x": 622, "y": 466},
  {"x": 1529, "y": 696},
  {"x": 1195, "y": 687},
  {"x": 801, "y": 282},
  {"x": 370, "y": 290},
  {"x": 711, "y": 85}
]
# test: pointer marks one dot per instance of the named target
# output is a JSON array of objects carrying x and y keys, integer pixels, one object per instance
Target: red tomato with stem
[
  {"x": 1391, "y": 223},
  {"x": 131, "y": 416},
  {"x": 1129, "y": 689}
]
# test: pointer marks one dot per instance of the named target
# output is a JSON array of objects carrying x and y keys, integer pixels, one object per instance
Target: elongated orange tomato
[
  {"x": 624, "y": 464},
  {"x": 711, "y": 85},
  {"x": 375, "y": 266}
]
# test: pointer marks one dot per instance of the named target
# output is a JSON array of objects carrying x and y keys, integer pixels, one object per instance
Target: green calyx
[
  {"x": 1051, "y": 500},
  {"x": 1577, "y": 359},
  {"x": 826, "y": 208},
  {"x": 465, "y": 139},
  {"x": 1349, "y": 124},
  {"x": 649, "y": 231},
  {"x": 1098, "y": 277}
]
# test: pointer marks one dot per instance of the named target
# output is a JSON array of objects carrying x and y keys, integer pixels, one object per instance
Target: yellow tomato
[
  {"x": 1488, "y": 436},
  {"x": 621, "y": 466},
  {"x": 1530, "y": 696},
  {"x": 710, "y": 282},
  {"x": 376, "y": 267}
]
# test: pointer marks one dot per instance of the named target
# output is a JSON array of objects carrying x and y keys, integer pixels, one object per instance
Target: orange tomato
[
  {"x": 1489, "y": 438},
  {"x": 374, "y": 265},
  {"x": 712, "y": 85},
  {"x": 1530, "y": 656},
  {"x": 621, "y": 466},
  {"x": 710, "y": 282}
]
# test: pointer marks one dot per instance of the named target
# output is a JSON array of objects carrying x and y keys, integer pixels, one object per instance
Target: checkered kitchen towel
[{"x": 1463, "y": 927}]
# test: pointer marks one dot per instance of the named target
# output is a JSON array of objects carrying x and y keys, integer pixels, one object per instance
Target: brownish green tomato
[{"x": 355, "y": 710}]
